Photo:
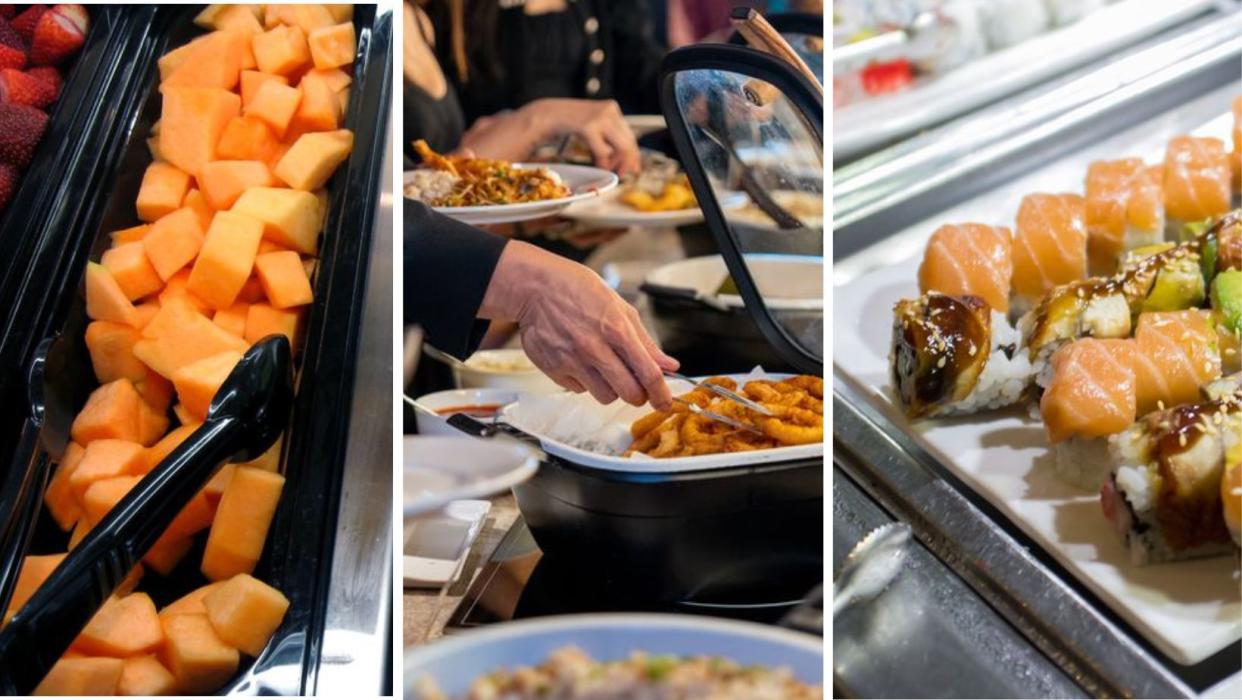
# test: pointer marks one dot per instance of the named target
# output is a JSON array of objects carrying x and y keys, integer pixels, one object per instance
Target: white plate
[
  {"x": 872, "y": 121},
  {"x": 438, "y": 470},
  {"x": 608, "y": 211},
  {"x": 1188, "y": 610},
  {"x": 437, "y": 424},
  {"x": 435, "y": 546},
  {"x": 584, "y": 182},
  {"x": 551, "y": 418}
]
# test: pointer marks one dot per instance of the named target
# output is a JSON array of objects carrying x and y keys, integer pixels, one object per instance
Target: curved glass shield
[
  {"x": 762, "y": 163},
  {"x": 810, "y": 48}
]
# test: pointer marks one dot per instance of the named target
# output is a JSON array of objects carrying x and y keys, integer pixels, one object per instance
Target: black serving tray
[{"x": 297, "y": 556}]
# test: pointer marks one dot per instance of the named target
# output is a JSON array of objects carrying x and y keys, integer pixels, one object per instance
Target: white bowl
[
  {"x": 476, "y": 373},
  {"x": 438, "y": 470},
  {"x": 436, "y": 424}
]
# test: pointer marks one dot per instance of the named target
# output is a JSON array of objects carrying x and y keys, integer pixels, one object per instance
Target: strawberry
[
  {"x": 12, "y": 48},
  {"x": 49, "y": 75},
  {"x": 21, "y": 127},
  {"x": 8, "y": 183},
  {"x": 20, "y": 88},
  {"x": 24, "y": 23},
  {"x": 58, "y": 34}
]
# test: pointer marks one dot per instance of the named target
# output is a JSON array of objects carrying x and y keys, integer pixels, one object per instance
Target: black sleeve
[
  {"x": 448, "y": 266},
  {"x": 636, "y": 55}
]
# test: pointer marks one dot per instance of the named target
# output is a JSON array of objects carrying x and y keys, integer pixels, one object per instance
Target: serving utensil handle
[{"x": 759, "y": 33}]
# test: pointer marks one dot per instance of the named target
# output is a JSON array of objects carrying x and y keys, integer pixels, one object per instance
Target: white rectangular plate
[{"x": 1188, "y": 610}]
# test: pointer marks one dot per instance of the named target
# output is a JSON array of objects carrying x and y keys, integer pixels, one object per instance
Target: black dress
[
  {"x": 439, "y": 122},
  {"x": 594, "y": 49}
]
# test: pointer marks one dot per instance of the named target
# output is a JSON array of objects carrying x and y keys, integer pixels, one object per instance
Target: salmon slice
[
  {"x": 1182, "y": 348},
  {"x": 1197, "y": 177},
  {"x": 969, "y": 259},
  {"x": 1049, "y": 243},
  {"x": 1151, "y": 387},
  {"x": 1237, "y": 143},
  {"x": 1092, "y": 391},
  {"x": 1121, "y": 195}
]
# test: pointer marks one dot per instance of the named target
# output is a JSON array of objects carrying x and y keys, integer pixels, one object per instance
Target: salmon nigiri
[
  {"x": 1125, "y": 210},
  {"x": 969, "y": 259},
  {"x": 1197, "y": 178},
  {"x": 1049, "y": 245}
]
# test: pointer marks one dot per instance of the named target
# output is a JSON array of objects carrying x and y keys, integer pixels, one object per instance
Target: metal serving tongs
[
  {"x": 721, "y": 391},
  {"x": 751, "y": 186},
  {"x": 712, "y": 415},
  {"x": 246, "y": 416},
  {"x": 760, "y": 34}
]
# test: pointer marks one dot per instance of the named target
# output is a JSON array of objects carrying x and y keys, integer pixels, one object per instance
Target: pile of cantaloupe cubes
[{"x": 230, "y": 210}]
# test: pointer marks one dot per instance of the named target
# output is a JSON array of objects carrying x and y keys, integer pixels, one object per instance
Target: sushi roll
[
  {"x": 1198, "y": 180},
  {"x": 1237, "y": 144},
  {"x": 1049, "y": 247},
  {"x": 1125, "y": 210},
  {"x": 1164, "y": 495},
  {"x": 969, "y": 259},
  {"x": 1223, "y": 387},
  {"x": 956, "y": 39},
  {"x": 954, "y": 355},
  {"x": 1231, "y": 487},
  {"x": 1009, "y": 22},
  {"x": 1175, "y": 356}
]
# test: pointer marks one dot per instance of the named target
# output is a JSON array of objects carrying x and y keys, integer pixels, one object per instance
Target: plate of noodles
[{"x": 481, "y": 191}]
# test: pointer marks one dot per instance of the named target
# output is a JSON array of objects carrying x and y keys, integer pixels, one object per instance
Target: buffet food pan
[
  {"x": 712, "y": 528},
  {"x": 297, "y": 557},
  {"x": 979, "y": 490}
]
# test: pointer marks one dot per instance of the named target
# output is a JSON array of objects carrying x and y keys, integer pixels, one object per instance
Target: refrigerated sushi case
[
  {"x": 979, "y": 608},
  {"x": 748, "y": 131},
  {"x": 329, "y": 544}
]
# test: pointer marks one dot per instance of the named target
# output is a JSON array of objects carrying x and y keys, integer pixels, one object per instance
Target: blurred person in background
[{"x": 694, "y": 21}]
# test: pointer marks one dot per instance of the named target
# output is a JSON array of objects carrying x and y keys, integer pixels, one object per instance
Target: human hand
[
  {"x": 576, "y": 329},
  {"x": 599, "y": 123}
]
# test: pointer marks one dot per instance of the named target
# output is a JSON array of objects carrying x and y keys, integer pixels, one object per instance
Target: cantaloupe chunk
[
  {"x": 312, "y": 159},
  {"x": 195, "y": 340},
  {"x": 307, "y": 17},
  {"x": 80, "y": 530},
  {"x": 152, "y": 423},
  {"x": 157, "y": 452},
  {"x": 133, "y": 272},
  {"x": 163, "y": 188},
  {"x": 291, "y": 218},
  {"x": 211, "y": 15},
  {"x": 248, "y": 138},
  {"x": 59, "y": 498},
  {"x": 155, "y": 390},
  {"x": 318, "y": 110},
  {"x": 281, "y": 50},
  {"x": 102, "y": 495},
  {"x": 214, "y": 488},
  {"x": 170, "y": 316},
  {"x": 263, "y": 319},
  {"x": 105, "y": 300},
  {"x": 105, "y": 459},
  {"x": 226, "y": 258},
  {"x": 342, "y": 12},
  {"x": 193, "y": 119},
  {"x": 233, "y": 318},
  {"x": 214, "y": 62},
  {"x": 251, "y": 80},
  {"x": 130, "y": 582},
  {"x": 245, "y": 612},
  {"x": 191, "y": 603},
  {"x": 198, "y": 382},
  {"x": 173, "y": 242},
  {"x": 171, "y": 61},
  {"x": 129, "y": 235},
  {"x": 83, "y": 675},
  {"x": 238, "y": 18},
  {"x": 111, "y": 346},
  {"x": 146, "y": 311},
  {"x": 252, "y": 291},
  {"x": 178, "y": 287},
  {"x": 145, "y": 676},
  {"x": 123, "y": 626},
  {"x": 195, "y": 200},
  {"x": 195, "y": 655},
  {"x": 111, "y": 411},
  {"x": 342, "y": 95},
  {"x": 336, "y": 78},
  {"x": 275, "y": 104},
  {"x": 242, "y": 520},
  {"x": 331, "y": 47},
  {"x": 223, "y": 181},
  {"x": 183, "y": 416},
  {"x": 269, "y": 460},
  {"x": 284, "y": 279},
  {"x": 35, "y": 570},
  {"x": 166, "y": 554}
]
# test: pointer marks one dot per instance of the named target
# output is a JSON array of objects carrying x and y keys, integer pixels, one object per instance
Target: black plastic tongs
[{"x": 246, "y": 416}]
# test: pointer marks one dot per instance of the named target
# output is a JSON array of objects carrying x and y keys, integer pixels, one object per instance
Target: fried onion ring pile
[
  {"x": 482, "y": 182},
  {"x": 796, "y": 404}
]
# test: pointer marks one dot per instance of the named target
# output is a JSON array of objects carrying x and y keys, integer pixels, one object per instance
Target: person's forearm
[{"x": 522, "y": 268}]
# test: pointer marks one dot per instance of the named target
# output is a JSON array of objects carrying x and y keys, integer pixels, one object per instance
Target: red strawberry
[
  {"x": 49, "y": 75},
  {"x": 24, "y": 23},
  {"x": 8, "y": 183},
  {"x": 20, "y": 88},
  {"x": 59, "y": 33},
  {"x": 21, "y": 127},
  {"x": 12, "y": 48}
]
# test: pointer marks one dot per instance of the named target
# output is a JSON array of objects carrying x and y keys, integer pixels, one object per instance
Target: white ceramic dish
[
  {"x": 455, "y": 662},
  {"x": 436, "y": 545},
  {"x": 477, "y": 374},
  {"x": 552, "y": 419},
  {"x": 438, "y": 470},
  {"x": 1188, "y": 610},
  {"x": 436, "y": 424},
  {"x": 608, "y": 211},
  {"x": 584, "y": 183},
  {"x": 787, "y": 282}
]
